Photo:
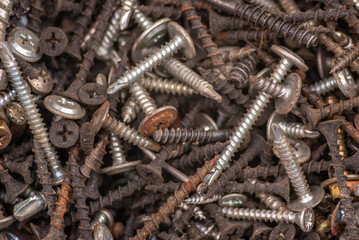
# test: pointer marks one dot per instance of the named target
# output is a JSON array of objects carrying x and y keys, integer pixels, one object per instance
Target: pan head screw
[
  {"x": 25, "y": 44},
  {"x": 53, "y": 41},
  {"x": 64, "y": 107},
  {"x": 15, "y": 113},
  {"x": 43, "y": 83}
]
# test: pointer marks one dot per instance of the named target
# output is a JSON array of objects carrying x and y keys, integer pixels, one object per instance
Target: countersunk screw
[
  {"x": 286, "y": 95},
  {"x": 5, "y": 13},
  {"x": 180, "y": 41},
  {"x": 343, "y": 79},
  {"x": 304, "y": 219},
  {"x": 33, "y": 116},
  {"x": 101, "y": 119},
  {"x": 306, "y": 196},
  {"x": 288, "y": 60}
]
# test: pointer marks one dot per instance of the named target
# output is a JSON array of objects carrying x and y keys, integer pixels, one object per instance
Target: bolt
[
  {"x": 288, "y": 60},
  {"x": 286, "y": 95},
  {"x": 306, "y": 196},
  {"x": 119, "y": 162},
  {"x": 304, "y": 219},
  {"x": 342, "y": 79},
  {"x": 33, "y": 116},
  {"x": 180, "y": 41},
  {"x": 101, "y": 119}
]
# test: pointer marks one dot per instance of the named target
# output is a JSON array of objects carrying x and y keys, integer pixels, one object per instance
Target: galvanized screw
[
  {"x": 34, "y": 204},
  {"x": 63, "y": 107},
  {"x": 307, "y": 196},
  {"x": 288, "y": 60},
  {"x": 304, "y": 219},
  {"x": 5, "y": 13}
]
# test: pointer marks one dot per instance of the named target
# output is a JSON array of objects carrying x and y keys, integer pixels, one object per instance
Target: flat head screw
[
  {"x": 180, "y": 41},
  {"x": 288, "y": 60},
  {"x": 306, "y": 196}
]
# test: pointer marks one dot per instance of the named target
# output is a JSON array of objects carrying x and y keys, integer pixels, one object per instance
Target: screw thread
[
  {"x": 7, "y": 97},
  {"x": 93, "y": 161},
  {"x": 345, "y": 59},
  {"x": 129, "y": 134},
  {"x": 192, "y": 79},
  {"x": 33, "y": 116},
  {"x": 271, "y": 88},
  {"x": 142, "y": 98},
  {"x": 289, "y": 6},
  {"x": 200, "y": 199},
  {"x": 260, "y": 215},
  {"x": 296, "y": 130},
  {"x": 296, "y": 176},
  {"x": 118, "y": 156},
  {"x": 281, "y": 70},
  {"x": 127, "y": 8},
  {"x": 111, "y": 35},
  {"x": 243, "y": 68},
  {"x": 269, "y": 4},
  {"x": 324, "y": 86},
  {"x": 166, "y": 86},
  {"x": 146, "y": 65},
  {"x": 142, "y": 20},
  {"x": 5, "y": 13},
  {"x": 129, "y": 110},
  {"x": 271, "y": 201}
]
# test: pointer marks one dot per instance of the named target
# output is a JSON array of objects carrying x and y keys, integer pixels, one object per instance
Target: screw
[
  {"x": 103, "y": 216},
  {"x": 286, "y": 95},
  {"x": 53, "y": 8},
  {"x": 92, "y": 94},
  {"x": 304, "y": 219},
  {"x": 345, "y": 59},
  {"x": 232, "y": 200},
  {"x": 119, "y": 162},
  {"x": 342, "y": 79},
  {"x": 3, "y": 81},
  {"x": 39, "y": 79},
  {"x": 129, "y": 110},
  {"x": 5, "y": 135},
  {"x": 288, "y": 60},
  {"x": 13, "y": 187},
  {"x": 167, "y": 86},
  {"x": 64, "y": 133},
  {"x": 87, "y": 137},
  {"x": 307, "y": 196},
  {"x": 35, "y": 14},
  {"x": 199, "y": 199},
  {"x": 64, "y": 107},
  {"x": 5, "y": 13},
  {"x": 53, "y": 41},
  {"x": 180, "y": 41},
  {"x": 33, "y": 116},
  {"x": 21, "y": 167},
  {"x": 126, "y": 12},
  {"x": 101, "y": 119},
  {"x": 30, "y": 206}
]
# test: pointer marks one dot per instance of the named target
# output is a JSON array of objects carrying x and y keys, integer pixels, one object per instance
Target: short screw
[
  {"x": 129, "y": 110},
  {"x": 343, "y": 79},
  {"x": 288, "y": 60},
  {"x": 304, "y": 219},
  {"x": 307, "y": 196},
  {"x": 101, "y": 119},
  {"x": 180, "y": 41},
  {"x": 30, "y": 206},
  {"x": 32, "y": 113},
  {"x": 286, "y": 95}
]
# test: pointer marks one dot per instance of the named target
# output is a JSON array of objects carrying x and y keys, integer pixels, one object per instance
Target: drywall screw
[
  {"x": 270, "y": 4},
  {"x": 342, "y": 79},
  {"x": 35, "y": 14},
  {"x": 292, "y": 130},
  {"x": 306, "y": 196},
  {"x": 180, "y": 41},
  {"x": 32, "y": 113},
  {"x": 101, "y": 119},
  {"x": 15, "y": 113},
  {"x": 345, "y": 59},
  {"x": 25, "y": 44},
  {"x": 288, "y": 60},
  {"x": 272, "y": 201},
  {"x": 119, "y": 162},
  {"x": 199, "y": 199},
  {"x": 129, "y": 110},
  {"x": 167, "y": 86},
  {"x": 34, "y": 204},
  {"x": 304, "y": 219},
  {"x": 174, "y": 201},
  {"x": 286, "y": 95},
  {"x": 156, "y": 118},
  {"x": 13, "y": 187},
  {"x": 5, "y": 13},
  {"x": 232, "y": 200}
]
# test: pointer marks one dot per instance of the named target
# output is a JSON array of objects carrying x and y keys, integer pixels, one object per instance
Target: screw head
[
  {"x": 293, "y": 85},
  {"x": 152, "y": 36},
  {"x": 64, "y": 107},
  {"x": 16, "y": 113},
  {"x": 306, "y": 220},
  {"x": 284, "y": 52},
  {"x": 43, "y": 83},
  {"x": 346, "y": 83},
  {"x": 125, "y": 167},
  {"x": 53, "y": 41},
  {"x": 100, "y": 116},
  {"x": 92, "y": 94},
  {"x": 205, "y": 121},
  {"x": 316, "y": 195},
  {"x": 301, "y": 150},
  {"x": 188, "y": 49},
  {"x": 64, "y": 133},
  {"x": 161, "y": 118},
  {"x": 232, "y": 200},
  {"x": 274, "y": 118},
  {"x": 25, "y": 44}
]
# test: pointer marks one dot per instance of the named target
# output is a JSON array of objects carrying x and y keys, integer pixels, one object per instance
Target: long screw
[
  {"x": 33, "y": 116},
  {"x": 167, "y": 86},
  {"x": 180, "y": 40},
  {"x": 5, "y": 13},
  {"x": 253, "y": 113},
  {"x": 307, "y": 196},
  {"x": 304, "y": 219},
  {"x": 345, "y": 59}
]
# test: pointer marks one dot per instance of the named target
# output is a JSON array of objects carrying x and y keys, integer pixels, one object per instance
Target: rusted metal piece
[{"x": 13, "y": 187}]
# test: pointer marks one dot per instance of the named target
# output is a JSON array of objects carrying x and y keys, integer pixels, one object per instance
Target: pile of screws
[{"x": 168, "y": 119}]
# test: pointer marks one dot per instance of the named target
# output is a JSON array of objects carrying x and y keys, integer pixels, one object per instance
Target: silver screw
[
  {"x": 286, "y": 94},
  {"x": 3, "y": 80},
  {"x": 180, "y": 41},
  {"x": 245, "y": 125},
  {"x": 16, "y": 114},
  {"x": 129, "y": 110},
  {"x": 153, "y": 33},
  {"x": 270, "y": 201},
  {"x": 126, "y": 11},
  {"x": 63, "y": 107},
  {"x": 304, "y": 219},
  {"x": 197, "y": 212},
  {"x": 5, "y": 13},
  {"x": 232, "y": 200},
  {"x": 119, "y": 162},
  {"x": 199, "y": 199},
  {"x": 30, "y": 206},
  {"x": 35, "y": 121},
  {"x": 166, "y": 86},
  {"x": 103, "y": 216},
  {"x": 7, "y": 97},
  {"x": 343, "y": 79},
  {"x": 306, "y": 196}
]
